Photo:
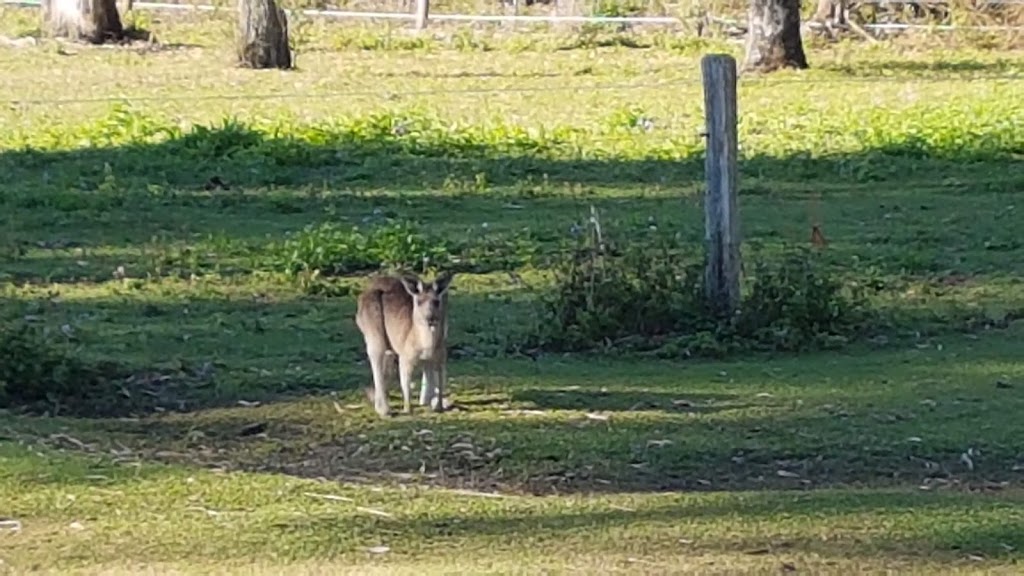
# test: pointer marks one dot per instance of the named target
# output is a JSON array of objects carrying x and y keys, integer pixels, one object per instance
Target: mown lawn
[{"x": 164, "y": 216}]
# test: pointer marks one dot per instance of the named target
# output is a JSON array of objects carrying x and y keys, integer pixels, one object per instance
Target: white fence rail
[
  {"x": 420, "y": 16},
  {"x": 347, "y": 14}
]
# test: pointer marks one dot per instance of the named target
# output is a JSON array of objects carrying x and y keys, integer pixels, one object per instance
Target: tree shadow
[
  {"x": 272, "y": 349},
  {"x": 881, "y": 505},
  {"x": 216, "y": 199},
  {"x": 190, "y": 347},
  {"x": 464, "y": 74},
  {"x": 603, "y": 400},
  {"x": 876, "y": 68},
  {"x": 794, "y": 424},
  {"x": 389, "y": 154},
  {"x": 891, "y": 525}
]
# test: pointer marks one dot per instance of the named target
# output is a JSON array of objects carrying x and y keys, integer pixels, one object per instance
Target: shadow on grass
[
  {"x": 874, "y": 68},
  {"x": 889, "y": 419},
  {"x": 596, "y": 399},
  {"x": 386, "y": 153},
  {"x": 264, "y": 349},
  {"x": 796, "y": 425},
  {"x": 463, "y": 74},
  {"x": 283, "y": 520},
  {"x": 215, "y": 200},
  {"x": 190, "y": 346},
  {"x": 780, "y": 518}
]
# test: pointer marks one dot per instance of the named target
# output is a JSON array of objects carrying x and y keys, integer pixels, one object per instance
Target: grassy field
[{"x": 177, "y": 237}]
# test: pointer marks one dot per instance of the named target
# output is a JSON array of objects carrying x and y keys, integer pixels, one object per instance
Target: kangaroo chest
[{"x": 423, "y": 345}]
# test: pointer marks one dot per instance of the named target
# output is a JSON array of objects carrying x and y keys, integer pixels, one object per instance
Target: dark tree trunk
[
  {"x": 263, "y": 35},
  {"x": 95, "y": 21},
  {"x": 773, "y": 37}
]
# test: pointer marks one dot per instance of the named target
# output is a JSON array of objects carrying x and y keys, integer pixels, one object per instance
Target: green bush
[
  {"x": 331, "y": 250},
  {"x": 797, "y": 303},
  {"x": 39, "y": 374},
  {"x": 326, "y": 250},
  {"x": 648, "y": 294},
  {"x": 607, "y": 294}
]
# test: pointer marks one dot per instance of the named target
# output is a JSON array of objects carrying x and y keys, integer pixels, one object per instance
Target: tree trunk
[
  {"x": 263, "y": 35},
  {"x": 95, "y": 21},
  {"x": 773, "y": 37},
  {"x": 831, "y": 12}
]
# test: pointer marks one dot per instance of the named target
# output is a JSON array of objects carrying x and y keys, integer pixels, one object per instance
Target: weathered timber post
[
  {"x": 721, "y": 216},
  {"x": 422, "y": 13}
]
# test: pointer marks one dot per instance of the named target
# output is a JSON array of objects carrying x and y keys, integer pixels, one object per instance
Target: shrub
[
  {"x": 648, "y": 294},
  {"x": 325, "y": 250},
  {"x": 605, "y": 294},
  {"x": 331, "y": 250},
  {"x": 38, "y": 374},
  {"x": 797, "y": 304}
]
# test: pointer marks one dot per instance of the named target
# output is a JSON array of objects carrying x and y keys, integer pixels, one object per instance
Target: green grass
[{"x": 231, "y": 308}]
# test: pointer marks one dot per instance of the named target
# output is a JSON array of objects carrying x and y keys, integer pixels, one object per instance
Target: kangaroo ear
[
  {"x": 442, "y": 282},
  {"x": 412, "y": 284}
]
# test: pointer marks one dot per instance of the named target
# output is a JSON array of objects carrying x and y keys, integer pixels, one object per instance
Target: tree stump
[
  {"x": 95, "y": 21},
  {"x": 773, "y": 36},
  {"x": 263, "y": 35}
]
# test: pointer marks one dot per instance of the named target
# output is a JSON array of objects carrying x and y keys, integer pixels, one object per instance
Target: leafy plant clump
[
  {"x": 328, "y": 249},
  {"x": 649, "y": 296},
  {"x": 39, "y": 375}
]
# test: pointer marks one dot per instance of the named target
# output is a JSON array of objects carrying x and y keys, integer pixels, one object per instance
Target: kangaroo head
[{"x": 428, "y": 301}]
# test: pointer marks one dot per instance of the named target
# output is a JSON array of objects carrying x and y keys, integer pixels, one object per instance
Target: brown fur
[{"x": 406, "y": 317}]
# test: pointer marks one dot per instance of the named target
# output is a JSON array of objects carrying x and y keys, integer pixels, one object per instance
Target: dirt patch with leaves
[{"x": 502, "y": 445}]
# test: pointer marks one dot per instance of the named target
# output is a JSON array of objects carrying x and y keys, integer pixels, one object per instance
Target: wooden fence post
[
  {"x": 422, "y": 11},
  {"x": 721, "y": 216}
]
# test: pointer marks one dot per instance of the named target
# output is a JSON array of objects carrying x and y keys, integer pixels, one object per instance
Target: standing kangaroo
[{"x": 408, "y": 318}]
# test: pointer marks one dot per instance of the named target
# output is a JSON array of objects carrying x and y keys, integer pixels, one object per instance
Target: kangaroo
[{"x": 406, "y": 317}]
